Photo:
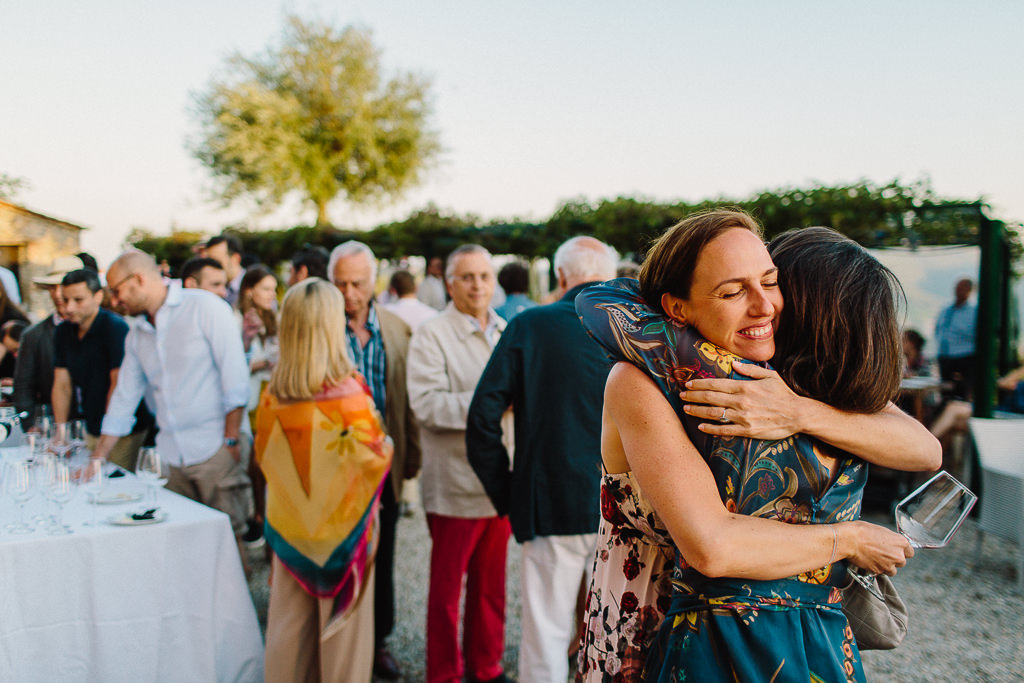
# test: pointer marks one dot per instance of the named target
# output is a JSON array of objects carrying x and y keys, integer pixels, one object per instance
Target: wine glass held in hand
[
  {"x": 933, "y": 512},
  {"x": 928, "y": 517}
]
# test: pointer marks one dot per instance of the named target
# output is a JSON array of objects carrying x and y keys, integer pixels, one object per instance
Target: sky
[{"x": 536, "y": 103}]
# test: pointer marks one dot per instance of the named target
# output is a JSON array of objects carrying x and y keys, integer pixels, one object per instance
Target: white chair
[{"x": 1000, "y": 448}]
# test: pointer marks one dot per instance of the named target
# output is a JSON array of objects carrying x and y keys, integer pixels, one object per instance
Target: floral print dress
[
  {"x": 631, "y": 589},
  {"x": 721, "y": 629}
]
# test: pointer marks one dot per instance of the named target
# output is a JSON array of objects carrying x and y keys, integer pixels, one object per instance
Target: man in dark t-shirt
[{"x": 88, "y": 348}]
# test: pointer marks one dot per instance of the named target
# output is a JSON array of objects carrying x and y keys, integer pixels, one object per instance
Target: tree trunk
[{"x": 321, "y": 214}]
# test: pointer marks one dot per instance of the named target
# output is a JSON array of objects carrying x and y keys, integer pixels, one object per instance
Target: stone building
[{"x": 29, "y": 242}]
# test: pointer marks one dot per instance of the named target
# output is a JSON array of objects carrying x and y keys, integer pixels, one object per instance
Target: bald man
[
  {"x": 187, "y": 352},
  {"x": 552, "y": 374}
]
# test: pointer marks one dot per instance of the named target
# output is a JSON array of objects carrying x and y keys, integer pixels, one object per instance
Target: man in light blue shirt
[
  {"x": 955, "y": 337},
  {"x": 185, "y": 354}
]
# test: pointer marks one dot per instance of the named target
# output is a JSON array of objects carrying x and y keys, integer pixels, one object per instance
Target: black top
[
  {"x": 9, "y": 312},
  {"x": 89, "y": 360},
  {"x": 33, "y": 373},
  {"x": 552, "y": 373}
]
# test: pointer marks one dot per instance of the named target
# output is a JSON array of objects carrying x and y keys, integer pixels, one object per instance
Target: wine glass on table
[
  {"x": 77, "y": 434},
  {"x": 41, "y": 467},
  {"x": 149, "y": 470},
  {"x": 928, "y": 517},
  {"x": 92, "y": 481},
  {"x": 20, "y": 487},
  {"x": 60, "y": 444},
  {"x": 60, "y": 490}
]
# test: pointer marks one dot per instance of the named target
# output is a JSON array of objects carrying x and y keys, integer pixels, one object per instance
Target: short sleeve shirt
[{"x": 89, "y": 361}]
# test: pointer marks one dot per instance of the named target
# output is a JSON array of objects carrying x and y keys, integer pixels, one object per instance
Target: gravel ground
[{"x": 966, "y": 618}]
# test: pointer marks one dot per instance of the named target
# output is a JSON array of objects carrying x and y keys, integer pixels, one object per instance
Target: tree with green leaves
[
  {"x": 11, "y": 185},
  {"x": 314, "y": 115}
]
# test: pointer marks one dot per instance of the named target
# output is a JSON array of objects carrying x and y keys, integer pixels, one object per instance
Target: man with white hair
[
  {"x": 469, "y": 540},
  {"x": 379, "y": 343},
  {"x": 552, "y": 374}
]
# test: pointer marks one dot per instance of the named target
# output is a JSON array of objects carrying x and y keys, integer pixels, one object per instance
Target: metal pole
[{"x": 991, "y": 286}]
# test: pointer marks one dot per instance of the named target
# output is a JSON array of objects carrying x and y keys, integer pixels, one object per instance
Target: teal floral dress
[{"x": 731, "y": 629}]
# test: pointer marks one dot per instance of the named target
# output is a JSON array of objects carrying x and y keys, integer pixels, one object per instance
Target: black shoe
[
  {"x": 253, "y": 536},
  {"x": 385, "y": 666}
]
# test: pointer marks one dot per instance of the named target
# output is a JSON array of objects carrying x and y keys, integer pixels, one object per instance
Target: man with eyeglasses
[
  {"x": 186, "y": 354},
  {"x": 447, "y": 354}
]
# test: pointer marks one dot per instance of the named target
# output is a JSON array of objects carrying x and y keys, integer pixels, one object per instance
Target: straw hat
[{"x": 62, "y": 265}]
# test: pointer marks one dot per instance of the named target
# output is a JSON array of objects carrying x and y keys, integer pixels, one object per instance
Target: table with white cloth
[{"x": 166, "y": 601}]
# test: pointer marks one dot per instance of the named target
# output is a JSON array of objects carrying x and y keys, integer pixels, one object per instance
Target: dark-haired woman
[
  {"x": 257, "y": 299},
  {"x": 9, "y": 312},
  {"x": 763, "y": 528}
]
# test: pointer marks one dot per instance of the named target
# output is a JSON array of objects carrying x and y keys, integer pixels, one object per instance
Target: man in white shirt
[
  {"x": 432, "y": 289},
  {"x": 227, "y": 250},
  {"x": 405, "y": 305},
  {"x": 469, "y": 539},
  {"x": 186, "y": 355}
]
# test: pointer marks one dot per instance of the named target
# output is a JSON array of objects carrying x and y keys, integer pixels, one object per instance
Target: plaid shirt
[{"x": 371, "y": 360}]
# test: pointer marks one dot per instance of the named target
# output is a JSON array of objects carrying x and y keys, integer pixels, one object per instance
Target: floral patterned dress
[
  {"x": 631, "y": 590},
  {"x": 731, "y": 629}
]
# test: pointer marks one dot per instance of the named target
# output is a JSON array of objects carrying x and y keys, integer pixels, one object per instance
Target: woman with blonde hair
[{"x": 322, "y": 448}]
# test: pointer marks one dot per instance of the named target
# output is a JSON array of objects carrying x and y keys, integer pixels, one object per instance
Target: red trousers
[{"x": 474, "y": 549}]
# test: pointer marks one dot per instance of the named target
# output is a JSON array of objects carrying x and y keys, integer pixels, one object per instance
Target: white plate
[
  {"x": 126, "y": 519},
  {"x": 115, "y": 497}
]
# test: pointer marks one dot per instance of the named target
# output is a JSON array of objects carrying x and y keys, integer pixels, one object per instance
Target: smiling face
[
  {"x": 213, "y": 280},
  {"x": 734, "y": 298},
  {"x": 264, "y": 293},
  {"x": 471, "y": 284}
]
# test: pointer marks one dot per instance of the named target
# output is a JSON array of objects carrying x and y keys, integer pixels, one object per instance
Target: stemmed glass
[
  {"x": 928, "y": 517},
  {"x": 148, "y": 470},
  {"x": 61, "y": 444},
  {"x": 77, "y": 434},
  {"x": 91, "y": 481},
  {"x": 60, "y": 490},
  {"x": 20, "y": 488}
]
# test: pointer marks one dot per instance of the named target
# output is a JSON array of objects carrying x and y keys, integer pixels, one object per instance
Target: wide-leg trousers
[{"x": 475, "y": 549}]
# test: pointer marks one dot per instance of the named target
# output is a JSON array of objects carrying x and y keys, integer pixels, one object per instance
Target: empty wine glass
[
  {"x": 42, "y": 471},
  {"x": 42, "y": 419},
  {"x": 19, "y": 486},
  {"x": 91, "y": 480},
  {"x": 61, "y": 444},
  {"x": 77, "y": 433},
  {"x": 149, "y": 470},
  {"x": 927, "y": 517},
  {"x": 60, "y": 491}
]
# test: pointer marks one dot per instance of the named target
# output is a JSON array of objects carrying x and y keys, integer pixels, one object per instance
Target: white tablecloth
[{"x": 162, "y": 602}]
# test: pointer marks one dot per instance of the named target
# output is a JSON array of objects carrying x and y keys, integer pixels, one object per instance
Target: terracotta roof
[{"x": 29, "y": 212}]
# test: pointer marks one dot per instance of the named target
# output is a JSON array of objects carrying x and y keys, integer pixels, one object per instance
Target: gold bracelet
[{"x": 835, "y": 544}]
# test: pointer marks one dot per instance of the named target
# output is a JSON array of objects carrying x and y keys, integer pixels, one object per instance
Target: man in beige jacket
[
  {"x": 446, "y": 357},
  {"x": 378, "y": 341}
]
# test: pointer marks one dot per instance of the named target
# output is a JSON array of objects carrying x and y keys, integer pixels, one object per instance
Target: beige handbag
[{"x": 876, "y": 624}]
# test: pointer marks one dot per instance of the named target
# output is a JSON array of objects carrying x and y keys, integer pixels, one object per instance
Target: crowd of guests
[{"x": 681, "y": 456}]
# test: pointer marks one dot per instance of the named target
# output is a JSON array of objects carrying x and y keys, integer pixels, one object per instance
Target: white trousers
[{"x": 553, "y": 567}]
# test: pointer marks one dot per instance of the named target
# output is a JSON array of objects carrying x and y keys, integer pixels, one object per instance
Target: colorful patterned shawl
[{"x": 325, "y": 462}]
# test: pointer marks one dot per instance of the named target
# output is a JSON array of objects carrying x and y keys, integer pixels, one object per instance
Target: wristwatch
[{"x": 230, "y": 441}]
